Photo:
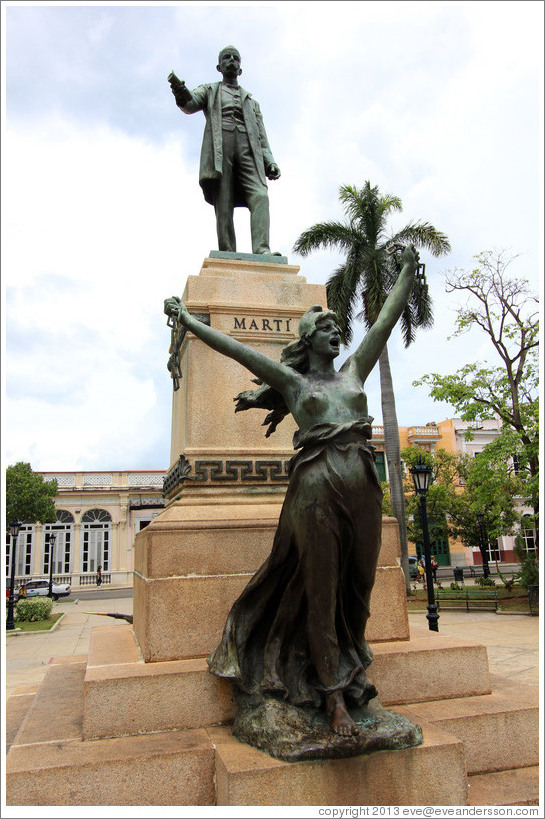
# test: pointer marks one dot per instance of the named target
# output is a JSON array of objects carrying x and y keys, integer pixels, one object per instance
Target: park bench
[
  {"x": 477, "y": 599},
  {"x": 476, "y": 571}
]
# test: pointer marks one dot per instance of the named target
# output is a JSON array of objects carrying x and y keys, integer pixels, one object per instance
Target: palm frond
[
  {"x": 342, "y": 298},
  {"x": 422, "y": 234},
  {"x": 333, "y": 235},
  {"x": 407, "y": 325},
  {"x": 422, "y": 303}
]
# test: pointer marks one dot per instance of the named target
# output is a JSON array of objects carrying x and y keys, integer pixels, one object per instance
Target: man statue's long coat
[{"x": 207, "y": 98}]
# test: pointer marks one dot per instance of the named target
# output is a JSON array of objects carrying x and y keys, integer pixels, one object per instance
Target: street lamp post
[
  {"x": 483, "y": 546},
  {"x": 14, "y": 529},
  {"x": 421, "y": 475},
  {"x": 52, "y": 539}
]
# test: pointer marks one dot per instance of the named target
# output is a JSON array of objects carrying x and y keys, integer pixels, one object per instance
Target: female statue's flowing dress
[{"x": 297, "y": 631}]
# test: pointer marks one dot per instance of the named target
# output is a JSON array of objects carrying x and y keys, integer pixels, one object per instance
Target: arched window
[
  {"x": 96, "y": 525},
  {"x": 63, "y": 529}
]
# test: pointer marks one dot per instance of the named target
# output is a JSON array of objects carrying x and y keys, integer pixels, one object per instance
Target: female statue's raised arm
[
  {"x": 367, "y": 354},
  {"x": 276, "y": 375}
]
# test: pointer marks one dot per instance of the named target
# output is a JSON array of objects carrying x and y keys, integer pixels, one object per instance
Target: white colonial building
[{"x": 98, "y": 516}]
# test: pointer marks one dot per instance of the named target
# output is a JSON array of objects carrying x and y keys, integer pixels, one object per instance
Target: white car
[{"x": 40, "y": 588}]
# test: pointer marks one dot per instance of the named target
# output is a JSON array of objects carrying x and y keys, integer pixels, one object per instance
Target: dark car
[{"x": 413, "y": 567}]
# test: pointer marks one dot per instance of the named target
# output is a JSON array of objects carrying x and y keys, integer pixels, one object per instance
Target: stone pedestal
[
  {"x": 227, "y": 480},
  {"x": 260, "y": 304}
]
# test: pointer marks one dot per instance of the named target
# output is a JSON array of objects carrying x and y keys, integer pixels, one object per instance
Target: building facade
[
  {"x": 453, "y": 439},
  {"x": 100, "y": 513},
  {"x": 98, "y": 516}
]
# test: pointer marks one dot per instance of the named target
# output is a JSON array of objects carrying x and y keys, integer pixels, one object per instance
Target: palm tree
[{"x": 366, "y": 277}]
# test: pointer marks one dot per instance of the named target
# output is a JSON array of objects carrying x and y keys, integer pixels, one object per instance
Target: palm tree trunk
[{"x": 393, "y": 457}]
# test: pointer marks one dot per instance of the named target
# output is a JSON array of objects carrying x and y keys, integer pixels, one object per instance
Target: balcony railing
[
  {"x": 91, "y": 579},
  {"x": 424, "y": 432}
]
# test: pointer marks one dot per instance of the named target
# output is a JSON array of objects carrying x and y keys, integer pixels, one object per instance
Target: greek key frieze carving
[{"x": 244, "y": 471}]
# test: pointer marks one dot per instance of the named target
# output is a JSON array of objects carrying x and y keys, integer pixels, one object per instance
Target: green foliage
[
  {"x": 505, "y": 310},
  {"x": 508, "y": 584},
  {"x": 386, "y": 499},
  {"x": 370, "y": 271},
  {"x": 484, "y": 581},
  {"x": 529, "y": 570},
  {"x": 441, "y": 494},
  {"x": 34, "y": 608},
  {"x": 456, "y": 586},
  {"x": 28, "y": 497}
]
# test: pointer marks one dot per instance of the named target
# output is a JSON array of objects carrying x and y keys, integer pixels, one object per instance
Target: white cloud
[{"x": 437, "y": 102}]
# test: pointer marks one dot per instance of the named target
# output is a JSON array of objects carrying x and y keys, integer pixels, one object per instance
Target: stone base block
[
  {"x": 499, "y": 730},
  {"x": 519, "y": 786},
  {"x": 197, "y": 628},
  {"x": 246, "y": 776},
  {"x": 174, "y": 768},
  {"x": 192, "y": 562},
  {"x": 124, "y": 695}
]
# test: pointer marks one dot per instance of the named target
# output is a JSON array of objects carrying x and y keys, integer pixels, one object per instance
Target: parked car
[
  {"x": 40, "y": 588},
  {"x": 413, "y": 567}
]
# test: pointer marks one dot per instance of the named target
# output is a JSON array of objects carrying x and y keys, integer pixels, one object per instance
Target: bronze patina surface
[
  {"x": 236, "y": 159},
  {"x": 296, "y": 634}
]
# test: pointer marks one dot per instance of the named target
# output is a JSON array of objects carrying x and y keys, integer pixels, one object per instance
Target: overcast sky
[{"x": 439, "y": 103}]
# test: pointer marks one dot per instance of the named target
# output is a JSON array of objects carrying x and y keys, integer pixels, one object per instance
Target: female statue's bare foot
[{"x": 340, "y": 720}]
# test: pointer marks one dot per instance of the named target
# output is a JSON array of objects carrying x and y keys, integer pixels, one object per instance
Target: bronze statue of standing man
[{"x": 236, "y": 159}]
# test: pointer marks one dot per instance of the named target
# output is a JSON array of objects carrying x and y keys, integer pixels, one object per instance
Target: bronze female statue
[{"x": 297, "y": 631}]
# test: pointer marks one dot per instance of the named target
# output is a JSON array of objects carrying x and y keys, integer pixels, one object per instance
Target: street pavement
[{"x": 512, "y": 640}]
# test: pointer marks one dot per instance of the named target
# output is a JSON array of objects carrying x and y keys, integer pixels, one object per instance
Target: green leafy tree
[
  {"x": 505, "y": 310},
  {"x": 490, "y": 490},
  {"x": 529, "y": 564},
  {"x": 441, "y": 494},
  {"x": 358, "y": 289},
  {"x": 28, "y": 497}
]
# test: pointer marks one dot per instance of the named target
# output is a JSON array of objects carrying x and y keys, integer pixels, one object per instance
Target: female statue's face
[{"x": 326, "y": 339}]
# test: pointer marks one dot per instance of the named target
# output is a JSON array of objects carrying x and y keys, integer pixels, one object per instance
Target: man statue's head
[{"x": 229, "y": 61}]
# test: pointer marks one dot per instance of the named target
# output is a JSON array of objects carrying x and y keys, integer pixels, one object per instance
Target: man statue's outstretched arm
[{"x": 188, "y": 101}]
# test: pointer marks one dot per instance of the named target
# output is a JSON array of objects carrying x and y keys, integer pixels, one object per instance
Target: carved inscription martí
[{"x": 262, "y": 324}]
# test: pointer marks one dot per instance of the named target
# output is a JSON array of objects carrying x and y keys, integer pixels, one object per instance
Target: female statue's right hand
[
  {"x": 171, "y": 306},
  {"x": 176, "y": 308}
]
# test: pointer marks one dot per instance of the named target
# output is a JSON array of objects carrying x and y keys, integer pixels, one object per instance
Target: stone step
[
  {"x": 500, "y": 730},
  {"x": 17, "y": 706},
  {"x": 55, "y": 713},
  {"x": 519, "y": 786},
  {"x": 246, "y": 776},
  {"x": 50, "y": 764},
  {"x": 428, "y": 667},
  {"x": 124, "y": 695}
]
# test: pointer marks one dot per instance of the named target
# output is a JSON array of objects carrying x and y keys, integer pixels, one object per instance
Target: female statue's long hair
[{"x": 294, "y": 355}]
